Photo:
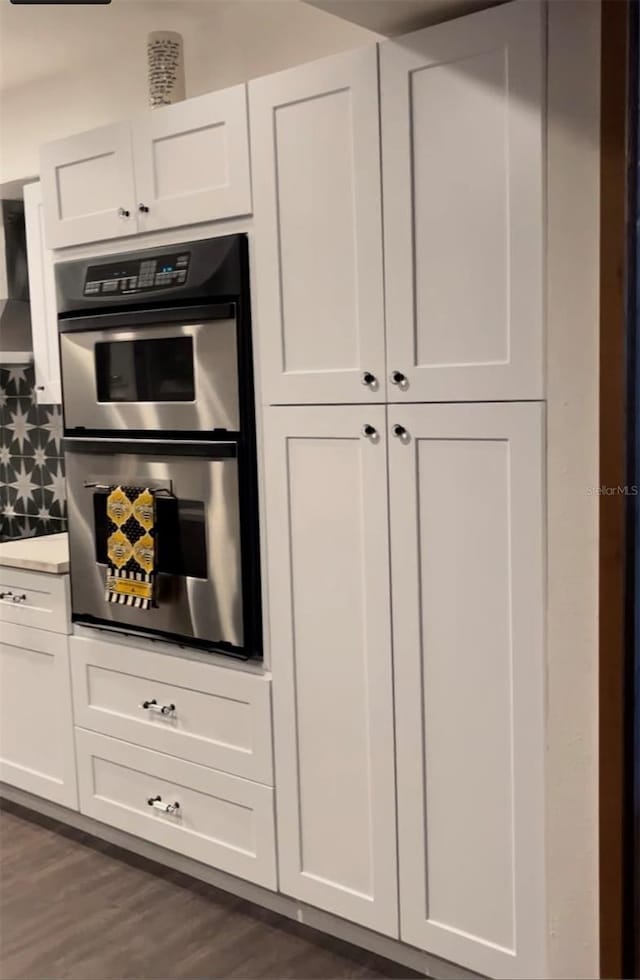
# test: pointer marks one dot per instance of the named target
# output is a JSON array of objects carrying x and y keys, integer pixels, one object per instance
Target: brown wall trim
[{"x": 613, "y": 473}]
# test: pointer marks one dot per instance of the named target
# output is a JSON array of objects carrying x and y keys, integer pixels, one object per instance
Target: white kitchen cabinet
[
  {"x": 192, "y": 160},
  {"x": 220, "y": 820},
  {"x": 42, "y": 300},
  {"x": 179, "y": 165},
  {"x": 318, "y": 235},
  {"x": 29, "y": 598},
  {"x": 327, "y": 549},
  {"x": 36, "y": 725},
  {"x": 88, "y": 186},
  {"x": 197, "y": 711},
  {"x": 462, "y": 109},
  {"x": 466, "y": 512}
]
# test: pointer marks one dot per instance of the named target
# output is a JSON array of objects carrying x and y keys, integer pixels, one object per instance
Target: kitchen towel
[{"x": 131, "y": 546}]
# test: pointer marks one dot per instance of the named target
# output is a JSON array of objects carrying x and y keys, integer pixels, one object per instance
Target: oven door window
[
  {"x": 154, "y": 370},
  {"x": 181, "y": 535}
]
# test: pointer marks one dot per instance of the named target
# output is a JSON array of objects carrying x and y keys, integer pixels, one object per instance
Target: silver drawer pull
[
  {"x": 162, "y": 709},
  {"x": 156, "y": 802},
  {"x": 12, "y": 597}
]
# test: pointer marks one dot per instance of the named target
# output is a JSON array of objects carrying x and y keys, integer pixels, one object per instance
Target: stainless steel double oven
[{"x": 157, "y": 384}]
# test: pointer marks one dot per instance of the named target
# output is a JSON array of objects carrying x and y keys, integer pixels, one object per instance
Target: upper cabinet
[
  {"x": 42, "y": 299},
  {"x": 318, "y": 235},
  {"x": 462, "y": 161},
  {"x": 88, "y": 186},
  {"x": 442, "y": 130},
  {"x": 178, "y": 165},
  {"x": 192, "y": 161}
]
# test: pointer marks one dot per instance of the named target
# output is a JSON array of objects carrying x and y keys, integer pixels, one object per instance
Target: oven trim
[
  {"x": 160, "y": 636},
  {"x": 218, "y": 449}
]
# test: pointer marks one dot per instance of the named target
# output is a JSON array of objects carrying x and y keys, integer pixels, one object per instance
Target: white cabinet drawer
[
  {"x": 221, "y": 820},
  {"x": 220, "y": 718},
  {"x": 35, "y": 599},
  {"x": 36, "y": 727}
]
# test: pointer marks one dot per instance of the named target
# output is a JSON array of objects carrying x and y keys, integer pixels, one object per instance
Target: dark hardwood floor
[{"x": 72, "y": 906}]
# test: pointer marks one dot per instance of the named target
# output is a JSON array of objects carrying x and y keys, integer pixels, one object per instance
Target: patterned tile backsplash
[{"x": 32, "y": 487}]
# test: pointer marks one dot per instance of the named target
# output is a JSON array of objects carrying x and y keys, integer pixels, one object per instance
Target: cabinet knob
[
  {"x": 400, "y": 432},
  {"x": 369, "y": 431},
  {"x": 399, "y": 379},
  {"x": 39, "y": 387},
  {"x": 123, "y": 213},
  {"x": 369, "y": 380},
  {"x": 143, "y": 208}
]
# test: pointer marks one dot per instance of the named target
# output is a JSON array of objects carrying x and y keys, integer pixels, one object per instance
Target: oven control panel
[{"x": 137, "y": 276}]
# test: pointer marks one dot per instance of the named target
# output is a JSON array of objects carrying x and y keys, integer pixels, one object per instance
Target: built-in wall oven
[{"x": 157, "y": 386}]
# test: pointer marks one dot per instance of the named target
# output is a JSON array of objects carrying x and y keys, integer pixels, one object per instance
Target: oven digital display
[{"x": 137, "y": 275}]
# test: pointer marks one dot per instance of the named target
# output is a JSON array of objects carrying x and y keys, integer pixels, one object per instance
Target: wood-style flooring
[{"x": 72, "y": 906}]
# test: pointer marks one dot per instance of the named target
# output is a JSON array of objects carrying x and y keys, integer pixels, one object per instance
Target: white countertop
[{"x": 47, "y": 553}]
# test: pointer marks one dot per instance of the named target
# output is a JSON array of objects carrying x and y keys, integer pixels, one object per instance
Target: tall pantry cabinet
[
  {"x": 320, "y": 326},
  {"x": 404, "y": 462}
]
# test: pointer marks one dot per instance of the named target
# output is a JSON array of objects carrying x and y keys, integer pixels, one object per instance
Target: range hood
[{"x": 15, "y": 314}]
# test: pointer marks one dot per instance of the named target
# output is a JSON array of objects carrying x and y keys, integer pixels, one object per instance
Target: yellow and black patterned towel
[{"x": 131, "y": 546}]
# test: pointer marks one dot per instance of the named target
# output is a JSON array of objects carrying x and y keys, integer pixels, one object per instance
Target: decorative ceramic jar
[{"x": 166, "y": 68}]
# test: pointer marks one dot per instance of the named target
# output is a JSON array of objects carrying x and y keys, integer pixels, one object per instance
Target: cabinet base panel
[{"x": 414, "y": 959}]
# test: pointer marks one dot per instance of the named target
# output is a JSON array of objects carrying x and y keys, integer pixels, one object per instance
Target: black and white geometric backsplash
[{"x": 32, "y": 487}]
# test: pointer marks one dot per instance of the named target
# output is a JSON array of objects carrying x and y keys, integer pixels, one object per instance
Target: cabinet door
[
  {"x": 42, "y": 297},
  {"x": 330, "y": 640},
  {"x": 467, "y": 573},
  {"x": 462, "y": 130},
  {"x": 88, "y": 186},
  {"x": 318, "y": 235},
  {"x": 36, "y": 725},
  {"x": 192, "y": 161}
]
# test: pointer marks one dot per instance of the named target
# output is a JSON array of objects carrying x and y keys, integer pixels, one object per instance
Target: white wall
[{"x": 225, "y": 43}]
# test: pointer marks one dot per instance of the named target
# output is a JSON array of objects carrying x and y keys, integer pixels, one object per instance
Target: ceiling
[
  {"x": 392, "y": 17},
  {"x": 48, "y": 40}
]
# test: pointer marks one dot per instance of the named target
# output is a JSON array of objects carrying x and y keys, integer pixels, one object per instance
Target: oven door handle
[
  {"x": 214, "y": 449},
  {"x": 170, "y": 315},
  {"x": 157, "y": 492}
]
